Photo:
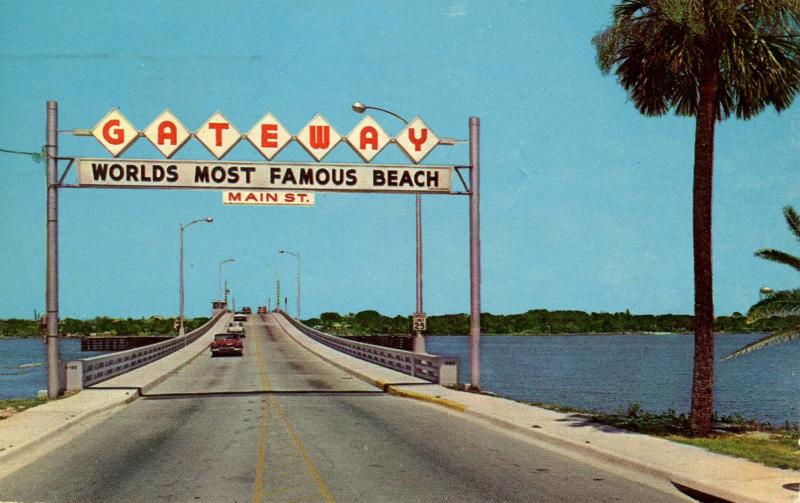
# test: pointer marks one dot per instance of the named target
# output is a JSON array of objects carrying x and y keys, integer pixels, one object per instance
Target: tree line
[
  {"x": 101, "y": 325},
  {"x": 538, "y": 322}
]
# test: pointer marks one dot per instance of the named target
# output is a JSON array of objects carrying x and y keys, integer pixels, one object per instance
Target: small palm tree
[
  {"x": 776, "y": 304},
  {"x": 707, "y": 59}
]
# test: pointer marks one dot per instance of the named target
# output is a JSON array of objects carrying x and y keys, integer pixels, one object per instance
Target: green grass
[
  {"x": 778, "y": 449},
  {"x": 20, "y": 404}
]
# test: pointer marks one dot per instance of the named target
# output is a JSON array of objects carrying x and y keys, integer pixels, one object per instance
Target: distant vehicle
[
  {"x": 240, "y": 317},
  {"x": 227, "y": 343},
  {"x": 262, "y": 309},
  {"x": 247, "y": 310},
  {"x": 236, "y": 327}
]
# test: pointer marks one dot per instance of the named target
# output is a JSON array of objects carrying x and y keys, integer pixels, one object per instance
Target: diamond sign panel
[
  {"x": 218, "y": 135},
  {"x": 269, "y": 136},
  {"x": 416, "y": 140},
  {"x": 115, "y": 132},
  {"x": 318, "y": 137},
  {"x": 368, "y": 138},
  {"x": 167, "y": 133}
]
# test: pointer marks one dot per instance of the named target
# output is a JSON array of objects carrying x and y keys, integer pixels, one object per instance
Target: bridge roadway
[{"x": 281, "y": 425}]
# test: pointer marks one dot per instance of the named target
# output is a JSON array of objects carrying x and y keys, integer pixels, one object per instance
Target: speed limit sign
[{"x": 420, "y": 322}]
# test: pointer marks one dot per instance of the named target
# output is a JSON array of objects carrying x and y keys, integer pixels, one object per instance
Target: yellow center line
[
  {"x": 258, "y": 490},
  {"x": 310, "y": 466}
]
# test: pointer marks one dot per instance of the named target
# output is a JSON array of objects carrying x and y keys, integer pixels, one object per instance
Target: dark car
[
  {"x": 262, "y": 309},
  {"x": 247, "y": 310},
  {"x": 227, "y": 344}
]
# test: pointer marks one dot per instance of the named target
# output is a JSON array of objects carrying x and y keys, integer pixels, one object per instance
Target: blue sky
[{"x": 585, "y": 204}]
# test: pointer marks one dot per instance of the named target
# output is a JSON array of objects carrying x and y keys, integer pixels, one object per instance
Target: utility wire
[{"x": 38, "y": 157}]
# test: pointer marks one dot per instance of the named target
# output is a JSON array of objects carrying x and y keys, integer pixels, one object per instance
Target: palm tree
[
  {"x": 776, "y": 304},
  {"x": 707, "y": 59}
]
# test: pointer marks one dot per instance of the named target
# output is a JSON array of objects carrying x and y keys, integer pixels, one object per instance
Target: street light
[
  {"x": 181, "y": 332},
  {"x": 419, "y": 341},
  {"x": 763, "y": 292},
  {"x": 219, "y": 281},
  {"x": 277, "y": 287},
  {"x": 297, "y": 256}
]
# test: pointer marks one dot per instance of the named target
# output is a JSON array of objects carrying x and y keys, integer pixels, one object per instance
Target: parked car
[
  {"x": 227, "y": 343},
  {"x": 247, "y": 310},
  {"x": 262, "y": 309}
]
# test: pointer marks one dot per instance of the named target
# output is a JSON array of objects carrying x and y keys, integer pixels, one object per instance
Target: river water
[
  {"x": 606, "y": 372},
  {"x": 589, "y": 372}
]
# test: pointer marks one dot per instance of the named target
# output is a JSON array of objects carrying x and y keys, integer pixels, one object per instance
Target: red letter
[
  {"x": 289, "y": 197},
  {"x": 320, "y": 136},
  {"x": 369, "y": 136},
  {"x": 269, "y": 135},
  {"x": 417, "y": 141},
  {"x": 234, "y": 196},
  {"x": 113, "y": 136},
  {"x": 167, "y": 131},
  {"x": 218, "y": 127}
]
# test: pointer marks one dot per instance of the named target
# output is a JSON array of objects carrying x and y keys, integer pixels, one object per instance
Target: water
[
  {"x": 590, "y": 372},
  {"x": 23, "y": 369},
  {"x": 606, "y": 372}
]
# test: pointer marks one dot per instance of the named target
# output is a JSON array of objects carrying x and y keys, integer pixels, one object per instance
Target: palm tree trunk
[{"x": 703, "y": 377}]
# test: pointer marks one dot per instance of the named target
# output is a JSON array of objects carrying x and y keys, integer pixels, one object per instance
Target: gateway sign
[{"x": 137, "y": 173}]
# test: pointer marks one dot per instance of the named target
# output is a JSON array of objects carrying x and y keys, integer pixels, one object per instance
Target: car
[
  {"x": 240, "y": 317},
  {"x": 262, "y": 309},
  {"x": 236, "y": 327},
  {"x": 227, "y": 343},
  {"x": 247, "y": 310}
]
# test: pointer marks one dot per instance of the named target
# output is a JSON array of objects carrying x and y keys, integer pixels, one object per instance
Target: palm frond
[
  {"x": 778, "y": 337},
  {"x": 779, "y": 257},
  {"x": 793, "y": 220},
  {"x": 777, "y": 304}
]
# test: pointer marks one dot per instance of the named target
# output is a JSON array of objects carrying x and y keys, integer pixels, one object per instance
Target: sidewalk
[
  {"x": 724, "y": 477},
  {"x": 31, "y": 427}
]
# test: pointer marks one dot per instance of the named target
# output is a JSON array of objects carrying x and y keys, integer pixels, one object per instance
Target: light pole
[
  {"x": 277, "y": 288},
  {"x": 419, "y": 340},
  {"x": 297, "y": 256},
  {"x": 219, "y": 281},
  {"x": 181, "y": 332},
  {"x": 763, "y": 292}
]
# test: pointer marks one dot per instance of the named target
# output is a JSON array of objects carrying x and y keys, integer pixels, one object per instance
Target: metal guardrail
[
  {"x": 88, "y": 371},
  {"x": 433, "y": 368}
]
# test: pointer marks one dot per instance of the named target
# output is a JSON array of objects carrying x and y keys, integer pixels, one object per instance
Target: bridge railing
[
  {"x": 433, "y": 368},
  {"x": 88, "y": 371}
]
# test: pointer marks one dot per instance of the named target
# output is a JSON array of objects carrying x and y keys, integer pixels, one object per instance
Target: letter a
[
  {"x": 369, "y": 136},
  {"x": 167, "y": 131}
]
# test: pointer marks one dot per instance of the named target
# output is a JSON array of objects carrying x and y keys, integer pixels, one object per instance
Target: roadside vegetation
[
  {"x": 730, "y": 435},
  {"x": 11, "y": 406},
  {"x": 100, "y": 326},
  {"x": 538, "y": 322}
]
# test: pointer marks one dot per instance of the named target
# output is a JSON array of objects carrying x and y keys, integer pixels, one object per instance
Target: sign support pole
[
  {"x": 474, "y": 252},
  {"x": 51, "y": 295}
]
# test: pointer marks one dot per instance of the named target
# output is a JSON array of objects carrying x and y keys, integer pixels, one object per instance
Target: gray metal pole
[
  {"x": 419, "y": 340},
  {"x": 219, "y": 281},
  {"x": 53, "y": 363},
  {"x": 474, "y": 252},
  {"x": 180, "y": 329},
  {"x": 298, "y": 286}
]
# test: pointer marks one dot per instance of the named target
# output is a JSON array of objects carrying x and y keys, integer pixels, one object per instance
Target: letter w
[
  {"x": 99, "y": 171},
  {"x": 320, "y": 136}
]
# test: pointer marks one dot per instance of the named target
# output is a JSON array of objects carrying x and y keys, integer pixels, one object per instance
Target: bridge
[{"x": 299, "y": 419}]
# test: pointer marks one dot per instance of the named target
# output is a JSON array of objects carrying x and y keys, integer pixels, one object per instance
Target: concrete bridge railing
[
  {"x": 439, "y": 369},
  {"x": 88, "y": 371}
]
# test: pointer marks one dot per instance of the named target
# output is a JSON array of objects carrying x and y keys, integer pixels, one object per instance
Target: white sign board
[
  {"x": 180, "y": 174},
  {"x": 267, "y": 198}
]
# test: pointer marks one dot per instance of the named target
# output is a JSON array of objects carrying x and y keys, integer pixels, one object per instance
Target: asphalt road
[{"x": 278, "y": 424}]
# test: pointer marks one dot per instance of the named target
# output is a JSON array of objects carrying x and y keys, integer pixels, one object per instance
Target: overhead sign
[
  {"x": 268, "y": 136},
  {"x": 267, "y": 198},
  {"x": 180, "y": 174}
]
